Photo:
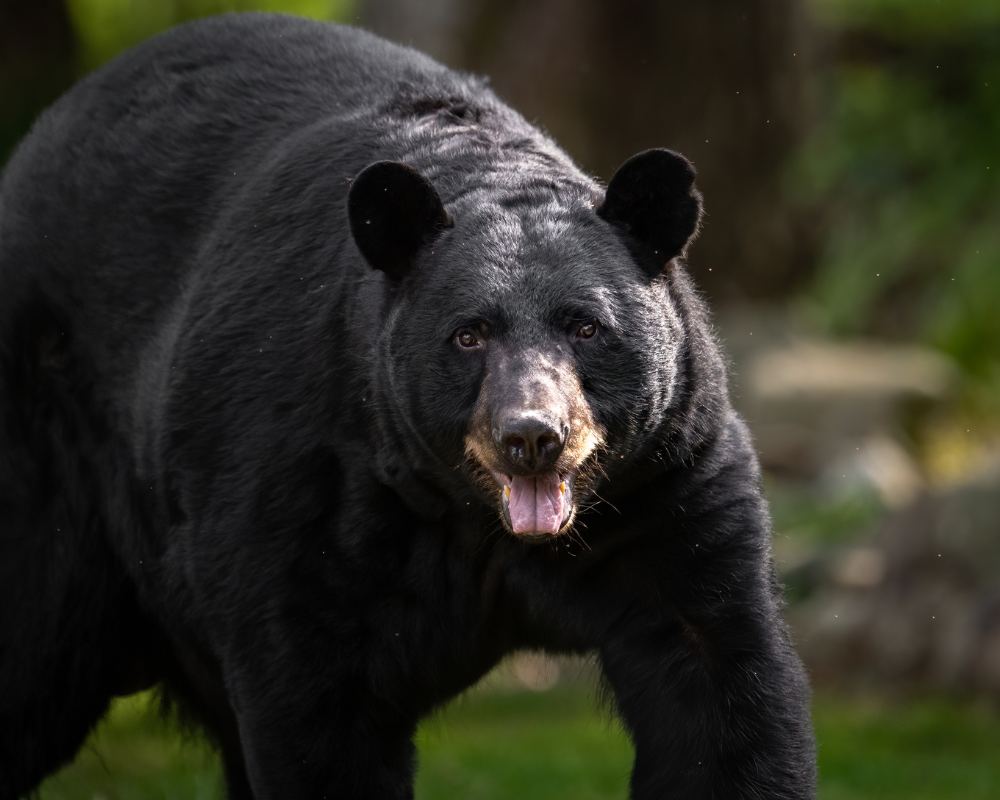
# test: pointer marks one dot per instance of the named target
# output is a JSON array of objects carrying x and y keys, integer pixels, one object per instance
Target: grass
[
  {"x": 135, "y": 755},
  {"x": 928, "y": 750},
  {"x": 501, "y": 743}
]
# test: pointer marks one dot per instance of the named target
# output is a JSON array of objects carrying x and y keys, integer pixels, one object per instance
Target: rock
[
  {"x": 918, "y": 605},
  {"x": 811, "y": 403},
  {"x": 856, "y": 371}
]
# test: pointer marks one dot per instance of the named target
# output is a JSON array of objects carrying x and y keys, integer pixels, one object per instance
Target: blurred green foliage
[
  {"x": 105, "y": 27},
  {"x": 818, "y": 516},
  {"x": 500, "y": 743},
  {"x": 904, "y": 169}
]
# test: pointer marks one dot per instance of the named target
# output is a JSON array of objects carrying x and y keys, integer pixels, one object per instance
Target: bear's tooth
[
  {"x": 562, "y": 487},
  {"x": 506, "y": 492}
]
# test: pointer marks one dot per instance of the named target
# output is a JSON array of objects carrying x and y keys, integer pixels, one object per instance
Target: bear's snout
[
  {"x": 530, "y": 437},
  {"x": 530, "y": 442}
]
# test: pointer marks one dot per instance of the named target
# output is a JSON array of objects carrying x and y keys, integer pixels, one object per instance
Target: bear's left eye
[
  {"x": 468, "y": 338},
  {"x": 586, "y": 330}
]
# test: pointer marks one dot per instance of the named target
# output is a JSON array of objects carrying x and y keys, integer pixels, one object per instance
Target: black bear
[{"x": 326, "y": 382}]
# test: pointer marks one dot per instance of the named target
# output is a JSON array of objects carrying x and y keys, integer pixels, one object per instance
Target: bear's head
[{"x": 530, "y": 345}]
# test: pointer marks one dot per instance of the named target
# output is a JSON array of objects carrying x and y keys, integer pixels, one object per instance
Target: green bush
[
  {"x": 904, "y": 165},
  {"x": 105, "y": 27}
]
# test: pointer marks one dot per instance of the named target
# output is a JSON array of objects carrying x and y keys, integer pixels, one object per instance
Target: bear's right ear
[
  {"x": 393, "y": 211},
  {"x": 653, "y": 198}
]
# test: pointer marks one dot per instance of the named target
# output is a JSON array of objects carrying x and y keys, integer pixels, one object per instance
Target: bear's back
[{"x": 107, "y": 202}]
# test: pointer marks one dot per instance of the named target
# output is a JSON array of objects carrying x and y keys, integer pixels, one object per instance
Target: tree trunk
[{"x": 37, "y": 63}]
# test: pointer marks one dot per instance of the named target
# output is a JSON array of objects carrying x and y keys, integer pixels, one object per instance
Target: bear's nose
[{"x": 529, "y": 442}]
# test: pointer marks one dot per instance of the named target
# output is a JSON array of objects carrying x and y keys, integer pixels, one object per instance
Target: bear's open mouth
[{"x": 536, "y": 506}]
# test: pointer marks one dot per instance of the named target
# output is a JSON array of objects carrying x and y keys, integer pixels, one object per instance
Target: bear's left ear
[
  {"x": 393, "y": 211},
  {"x": 652, "y": 196}
]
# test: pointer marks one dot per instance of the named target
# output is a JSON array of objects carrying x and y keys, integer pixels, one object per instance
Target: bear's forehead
[
  {"x": 517, "y": 286},
  {"x": 524, "y": 265},
  {"x": 537, "y": 243}
]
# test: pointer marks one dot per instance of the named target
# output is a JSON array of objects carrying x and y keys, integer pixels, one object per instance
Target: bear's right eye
[
  {"x": 468, "y": 338},
  {"x": 586, "y": 330}
]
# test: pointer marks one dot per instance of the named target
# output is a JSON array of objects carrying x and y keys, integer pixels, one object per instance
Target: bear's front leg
[
  {"x": 714, "y": 697},
  {"x": 313, "y": 730}
]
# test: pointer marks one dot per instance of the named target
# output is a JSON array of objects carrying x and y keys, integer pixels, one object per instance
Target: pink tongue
[{"x": 536, "y": 505}]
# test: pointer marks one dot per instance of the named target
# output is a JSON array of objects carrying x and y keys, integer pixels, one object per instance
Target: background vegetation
[
  {"x": 848, "y": 151},
  {"x": 904, "y": 162}
]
